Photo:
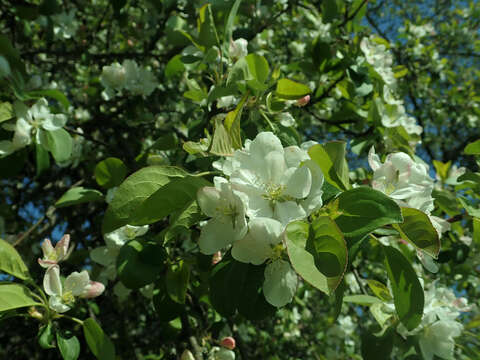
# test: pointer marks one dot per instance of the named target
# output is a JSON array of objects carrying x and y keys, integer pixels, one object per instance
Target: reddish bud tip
[
  {"x": 228, "y": 342},
  {"x": 303, "y": 101}
]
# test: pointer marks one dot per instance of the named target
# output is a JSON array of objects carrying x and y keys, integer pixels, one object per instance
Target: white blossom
[{"x": 62, "y": 297}]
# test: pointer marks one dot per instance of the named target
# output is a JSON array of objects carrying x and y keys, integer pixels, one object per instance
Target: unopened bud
[
  {"x": 216, "y": 258},
  {"x": 187, "y": 355},
  {"x": 303, "y": 101},
  {"x": 228, "y": 342},
  {"x": 33, "y": 312}
]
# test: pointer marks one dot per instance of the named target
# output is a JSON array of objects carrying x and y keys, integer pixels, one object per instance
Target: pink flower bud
[
  {"x": 303, "y": 101},
  {"x": 93, "y": 289},
  {"x": 216, "y": 258},
  {"x": 228, "y": 342}
]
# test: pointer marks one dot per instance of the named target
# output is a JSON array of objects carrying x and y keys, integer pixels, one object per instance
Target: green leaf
[
  {"x": 400, "y": 71},
  {"x": 329, "y": 10},
  {"x": 380, "y": 290},
  {"x": 98, "y": 342},
  {"x": 78, "y": 195},
  {"x": 296, "y": 235},
  {"x": 442, "y": 168},
  {"x": 52, "y": 93},
  {"x": 366, "y": 300},
  {"x": 231, "y": 20},
  {"x": 166, "y": 308},
  {"x": 178, "y": 276},
  {"x": 46, "y": 336},
  {"x": 238, "y": 286},
  {"x": 377, "y": 347},
  {"x": 329, "y": 250},
  {"x": 471, "y": 210},
  {"x": 206, "y": 27},
  {"x": 183, "y": 219},
  {"x": 11, "y": 262},
  {"x": 110, "y": 172},
  {"x": 291, "y": 90},
  {"x": 221, "y": 141},
  {"x": 134, "y": 191},
  {"x": 59, "y": 143},
  {"x": 408, "y": 294},
  {"x": 69, "y": 346},
  {"x": 476, "y": 230},
  {"x": 362, "y": 210},
  {"x": 232, "y": 124},
  {"x": 331, "y": 159},
  {"x": 174, "y": 67},
  {"x": 170, "y": 198},
  {"x": 42, "y": 159},
  {"x": 140, "y": 262},
  {"x": 14, "y": 296},
  {"x": 6, "y": 111},
  {"x": 419, "y": 231},
  {"x": 472, "y": 148},
  {"x": 258, "y": 70}
]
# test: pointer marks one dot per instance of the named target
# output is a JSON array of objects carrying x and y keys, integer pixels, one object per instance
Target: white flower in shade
[
  {"x": 403, "y": 179},
  {"x": 274, "y": 181},
  {"x": 36, "y": 119},
  {"x": 381, "y": 60},
  {"x": 227, "y": 212},
  {"x": 65, "y": 26},
  {"x": 437, "y": 339},
  {"x": 238, "y": 48},
  {"x": 113, "y": 76},
  {"x": 53, "y": 255},
  {"x": 139, "y": 81},
  {"x": 439, "y": 327},
  {"x": 107, "y": 255},
  {"x": 260, "y": 243},
  {"x": 62, "y": 297},
  {"x": 280, "y": 283}
]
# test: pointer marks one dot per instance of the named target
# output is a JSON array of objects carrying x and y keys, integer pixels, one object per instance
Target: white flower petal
[
  {"x": 280, "y": 283},
  {"x": 373, "y": 159},
  {"x": 54, "y": 122},
  {"x": 288, "y": 211},
  {"x": 208, "y": 199},
  {"x": 257, "y": 245},
  {"x": 218, "y": 233},
  {"x": 300, "y": 183},
  {"x": 55, "y": 303},
  {"x": 77, "y": 282},
  {"x": 294, "y": 156},
  {"x": 51, "y": 281}
]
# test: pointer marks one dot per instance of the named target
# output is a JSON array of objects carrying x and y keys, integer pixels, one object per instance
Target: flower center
[{"x": 68, "y": 298}]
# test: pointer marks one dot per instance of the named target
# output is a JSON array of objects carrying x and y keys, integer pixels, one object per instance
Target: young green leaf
[
  {"x": 296, "y": 235},
  {"x": 408, "y": 295},
  {"x": 11, "y": 261},
  {"x": 362, "y": 210},
  {"x": 69, "y": 346},
  {"x": 78, "y": 195},
  {"x": 419, "y": 231},
  {"x": 98, "y": 342},
  {"x": 110, "y": 172},
  {"x": 291, "y": 90},
  {"x": 14, "y": 296}
]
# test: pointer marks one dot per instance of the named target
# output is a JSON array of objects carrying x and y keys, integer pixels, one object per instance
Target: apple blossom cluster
[
  {"x": 128, "y": 76},
  {"x": 63, "y": 294},
  {"x": 265, "y": 187},
  {"x": 407, "y": 182},
  {"x": 439, "y": 325},
  {"x": 65, "y": 25},
  {"x": 378, "y": 56},
  {"x": 31, "y": 123}
]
